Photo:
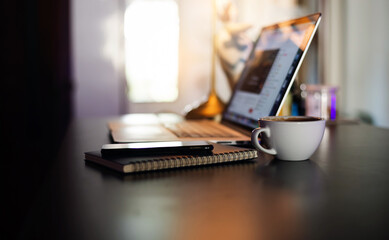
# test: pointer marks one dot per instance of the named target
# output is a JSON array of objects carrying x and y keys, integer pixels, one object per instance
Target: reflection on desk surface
[{"x": 268, "y": 203}]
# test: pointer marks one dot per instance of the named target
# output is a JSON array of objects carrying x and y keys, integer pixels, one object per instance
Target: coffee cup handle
[{"x": 254, "y": 140}]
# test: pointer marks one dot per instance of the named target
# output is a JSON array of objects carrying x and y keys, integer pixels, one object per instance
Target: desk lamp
[
  {"x": 213, "y": 106},
  {"x": 231, "y": 46}
]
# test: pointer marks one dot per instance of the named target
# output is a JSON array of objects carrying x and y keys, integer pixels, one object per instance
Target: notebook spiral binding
[{"x": 187, "y": 161}]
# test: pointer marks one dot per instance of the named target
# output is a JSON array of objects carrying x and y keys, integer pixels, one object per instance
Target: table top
[{"x": 342, "y": 192}]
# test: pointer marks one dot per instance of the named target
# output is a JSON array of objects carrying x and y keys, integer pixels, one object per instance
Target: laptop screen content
[{"x": 270, "y": 70}]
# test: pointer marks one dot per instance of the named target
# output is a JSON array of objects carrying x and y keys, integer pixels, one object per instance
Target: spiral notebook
[{"x": 128, "y": 164}]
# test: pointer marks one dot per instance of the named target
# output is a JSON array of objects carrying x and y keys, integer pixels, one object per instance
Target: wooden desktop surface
[{"x": 342, "y": 192}]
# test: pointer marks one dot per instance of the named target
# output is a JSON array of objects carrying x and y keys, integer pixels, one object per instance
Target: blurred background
[
  {"x": 171, "y": 41},
  {"x": 71, "y": 59}
]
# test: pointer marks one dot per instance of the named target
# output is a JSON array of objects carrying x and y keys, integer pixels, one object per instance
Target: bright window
[{"x": 151, "y": 29}]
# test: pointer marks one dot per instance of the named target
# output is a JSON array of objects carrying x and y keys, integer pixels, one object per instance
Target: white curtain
[{"x": 355, "y": 56}]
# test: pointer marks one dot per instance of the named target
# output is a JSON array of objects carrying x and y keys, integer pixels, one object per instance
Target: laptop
[{"x": 265, "y": 81}]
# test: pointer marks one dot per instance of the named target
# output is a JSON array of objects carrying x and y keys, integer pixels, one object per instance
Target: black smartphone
[{"x": 158, "y": 148}]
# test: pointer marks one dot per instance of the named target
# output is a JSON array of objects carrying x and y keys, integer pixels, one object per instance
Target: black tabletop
[{"x": 342, "y": 192}]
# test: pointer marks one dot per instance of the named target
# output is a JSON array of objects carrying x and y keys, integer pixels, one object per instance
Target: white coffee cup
[{"x": 292, "y": 138}]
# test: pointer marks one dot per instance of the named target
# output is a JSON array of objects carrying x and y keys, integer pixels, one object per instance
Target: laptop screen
[{"x": 270, "y": 70}]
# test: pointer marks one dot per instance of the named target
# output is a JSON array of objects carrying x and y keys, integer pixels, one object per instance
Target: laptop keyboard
[{"x": 198, "y": 129}]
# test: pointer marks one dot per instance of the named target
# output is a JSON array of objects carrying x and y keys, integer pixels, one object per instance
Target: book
[{"x": 131, "y": 164}]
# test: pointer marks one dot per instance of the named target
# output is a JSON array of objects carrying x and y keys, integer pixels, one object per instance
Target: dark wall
[{"x": 36, "y": 96}]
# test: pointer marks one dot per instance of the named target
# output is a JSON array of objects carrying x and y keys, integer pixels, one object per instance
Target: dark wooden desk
[{"x": 342, "y": 192}]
